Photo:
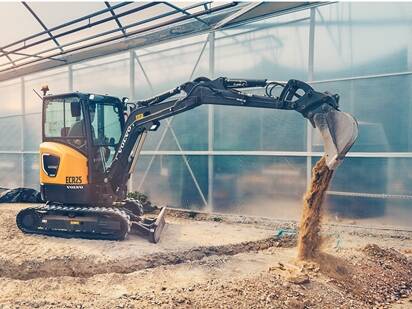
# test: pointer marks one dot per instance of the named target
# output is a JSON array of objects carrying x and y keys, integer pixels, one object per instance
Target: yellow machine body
[{"x": 72, "y": 168}]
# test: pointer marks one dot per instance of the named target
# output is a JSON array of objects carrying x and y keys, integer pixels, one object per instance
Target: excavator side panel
[{"x": 63, "y": 174}]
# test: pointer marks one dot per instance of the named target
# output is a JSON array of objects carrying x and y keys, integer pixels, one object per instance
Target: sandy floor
[{"x": 206, "y": 261}]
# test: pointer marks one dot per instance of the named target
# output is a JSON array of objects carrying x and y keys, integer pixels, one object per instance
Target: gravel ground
[{"x": 207, "y": 262}]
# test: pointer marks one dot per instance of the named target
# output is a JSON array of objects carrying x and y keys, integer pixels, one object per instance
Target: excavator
[{"x": 91, "y": 143}]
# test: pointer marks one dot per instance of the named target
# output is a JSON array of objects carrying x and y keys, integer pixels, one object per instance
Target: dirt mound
[
  {"x": 377, "y": 276},
  {"x": 340, "y": 282},
  {"x": 309, "y": 231},
  {"x": 383, "y": 274}
]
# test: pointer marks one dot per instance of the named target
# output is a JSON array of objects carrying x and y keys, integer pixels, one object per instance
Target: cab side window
[
  {"x": 64, "y": 120},
  {"x": 54, "y": 118}
]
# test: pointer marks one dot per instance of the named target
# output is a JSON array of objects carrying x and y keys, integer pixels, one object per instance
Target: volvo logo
[
  {"x": 123, "y": 143},
  {"x": 74, "y": 187}
]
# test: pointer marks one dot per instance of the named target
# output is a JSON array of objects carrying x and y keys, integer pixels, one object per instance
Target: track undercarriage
[{"x": 108, "y": 223}]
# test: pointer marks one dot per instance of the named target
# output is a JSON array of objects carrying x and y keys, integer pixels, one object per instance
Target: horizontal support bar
[
  {"x": 18, "y": 152},
  {"x": 251, "y": 153},
  {"x": 371, "y": 195},
  {"x": 360, "y": 77},
  {"x": 277, "y": 153}
]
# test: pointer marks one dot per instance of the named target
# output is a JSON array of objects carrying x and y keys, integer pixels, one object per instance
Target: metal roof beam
[
  {"x": 9, "y": 59},
  {"x": 87, "y": 17},
  {"x": 92, "y": 50},
  {"x": 239, "y": 13},
  {"x": 184, "y": 12},
  {"x": 88, "y": 26},
  {"x": 43, "y": 25},
  {"x": 145, "y": 37},
  {"x": 112, "y": 31},
  {"x": 268, "y": 9},
  {"x": 37, "y": 56},
  {"x": 115, "y": 18}
]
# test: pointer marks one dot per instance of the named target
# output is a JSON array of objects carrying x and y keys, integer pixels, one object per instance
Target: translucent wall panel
[
  {"x": 362, "y": 39},
  {"x": 166, "y": 66},
  {"x": 32, "y": 131},
  {"x": 274, "y": 49},
  {"x": 57, "y": 80},
  {"x": 238, "y": 128},
  {"x": 108, "y": 75},
  {"x": 31, "y": 166},
  {"x": 258, "y": 185},
  {"x": 10, "y": 98},
  {"x": 10, "y": 133},
  {"x": 10, "y": 170},
  {"x": 168, "y": 181},
  {"x": 372, "y": 190},
  {"x": 189, "y": 131},
  {"x": 383, "y": 109}
]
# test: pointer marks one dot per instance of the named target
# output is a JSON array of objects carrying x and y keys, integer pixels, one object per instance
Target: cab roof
[{"x": 82, "y": 95}]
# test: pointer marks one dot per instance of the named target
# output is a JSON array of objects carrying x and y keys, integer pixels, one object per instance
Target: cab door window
[{"x": 105, "y": 117}]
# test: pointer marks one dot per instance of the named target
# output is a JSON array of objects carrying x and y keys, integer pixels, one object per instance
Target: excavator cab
[
  {"x": 83, "y": 117},
  {"x": 81, "y": 133}
]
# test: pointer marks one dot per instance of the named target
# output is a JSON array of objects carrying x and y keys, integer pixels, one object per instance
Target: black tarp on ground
[{"x": 20, "y": 195}]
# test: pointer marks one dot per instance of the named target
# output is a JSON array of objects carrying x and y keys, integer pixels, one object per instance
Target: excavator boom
[{"x": 338, "y": 129}]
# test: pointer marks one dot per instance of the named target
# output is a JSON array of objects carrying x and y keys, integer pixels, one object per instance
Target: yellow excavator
[{"x": 91, "y": 144}]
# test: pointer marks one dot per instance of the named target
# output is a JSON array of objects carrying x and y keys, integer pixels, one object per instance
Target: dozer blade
[
  {"x": 151, "y": 228},
  {"x": 339, "y": 131}
]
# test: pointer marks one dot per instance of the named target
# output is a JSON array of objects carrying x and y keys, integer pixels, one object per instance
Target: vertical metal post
[
  {"x": 23, "y": 113},
  {"x": 132, "y": 93},
  {"x": 132, "y": 76},
  {"x": 351, "y": 107},
  {"x": 70, "y": 68},
  {"x": 210, "y": 121},
  {"x": 309, "y": 130}
]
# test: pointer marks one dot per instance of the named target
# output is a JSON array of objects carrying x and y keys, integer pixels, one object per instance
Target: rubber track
[{"x": 62, "y": 210}]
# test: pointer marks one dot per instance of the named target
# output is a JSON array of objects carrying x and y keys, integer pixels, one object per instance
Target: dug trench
[
  {"x": 89, "y": 265},
  {"x": 26, "y": 257}
]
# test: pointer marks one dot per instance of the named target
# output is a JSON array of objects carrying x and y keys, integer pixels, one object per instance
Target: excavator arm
[{"x": 338, "y": 129}]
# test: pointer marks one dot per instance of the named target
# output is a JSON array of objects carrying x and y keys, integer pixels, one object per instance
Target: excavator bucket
[{"x": 339, "y": 131}]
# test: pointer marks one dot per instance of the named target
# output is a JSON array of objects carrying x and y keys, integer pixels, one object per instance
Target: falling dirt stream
[{"x": 309, "y": 240}]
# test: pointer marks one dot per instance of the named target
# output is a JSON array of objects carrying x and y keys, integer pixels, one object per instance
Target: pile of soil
[
  {"x": 309, "y": 231},
  {"x": 356, "y": 281}
]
